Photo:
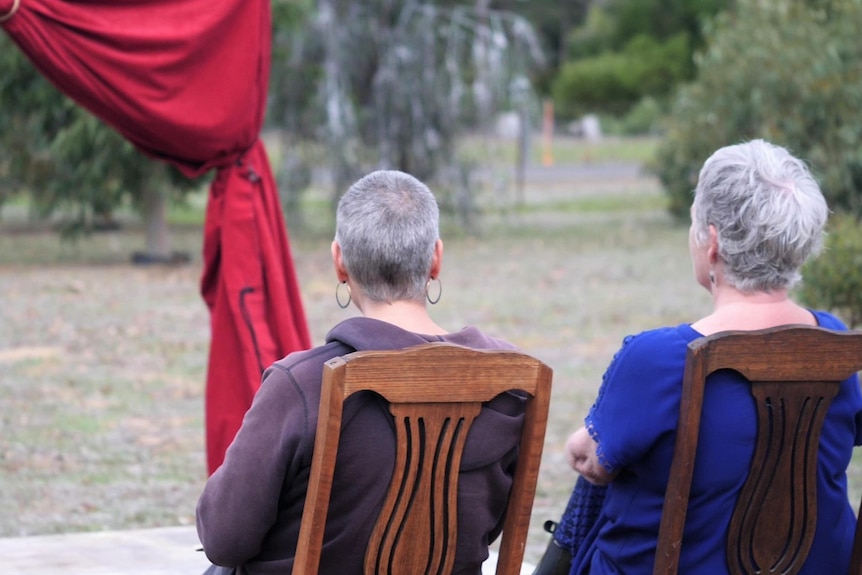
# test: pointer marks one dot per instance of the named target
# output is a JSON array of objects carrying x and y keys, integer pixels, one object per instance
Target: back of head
[
  {"x": 768, "y": 212},
  {"x": 387, "y": 224}
]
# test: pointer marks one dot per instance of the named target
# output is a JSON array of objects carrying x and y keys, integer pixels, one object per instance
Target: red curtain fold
[
  {"x": 186, "y": 82},
  {"x": 243, "y": 244}
]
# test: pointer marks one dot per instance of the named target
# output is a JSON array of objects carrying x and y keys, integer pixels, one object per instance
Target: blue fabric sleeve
[
  {"x": 638, "y": 402},
  {"x": 854, "y": 393}
]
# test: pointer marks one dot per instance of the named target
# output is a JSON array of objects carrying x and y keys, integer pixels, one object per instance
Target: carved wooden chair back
[
  {"x": 795, "y": 372},
  {"x": 434, "y": 392}
]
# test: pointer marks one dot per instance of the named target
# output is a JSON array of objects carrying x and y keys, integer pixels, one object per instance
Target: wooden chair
[
  {"x": 795, "y": 372},
  {"x": 442, "y": 385}
]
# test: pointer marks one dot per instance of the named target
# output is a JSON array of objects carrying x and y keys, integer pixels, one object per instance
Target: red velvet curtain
[{"x": 186, "y": 82}]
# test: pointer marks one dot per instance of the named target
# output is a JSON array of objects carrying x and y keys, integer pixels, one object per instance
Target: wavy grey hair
[
  {"x": 768, "y": 212},
  {"x": 387, "y": 224}
]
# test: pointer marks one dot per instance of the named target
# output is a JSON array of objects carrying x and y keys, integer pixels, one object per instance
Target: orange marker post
[{"x": 547, "y": 133}]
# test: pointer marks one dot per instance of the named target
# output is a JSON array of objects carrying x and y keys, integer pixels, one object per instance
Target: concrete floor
[{"x": 158, "y": 551}]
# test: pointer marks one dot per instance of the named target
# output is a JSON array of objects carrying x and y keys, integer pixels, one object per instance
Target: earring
[
  {"x": 338, "y": 295},
  {"x": 431, "y": 300},
  {"x": 711, "y": 277}
]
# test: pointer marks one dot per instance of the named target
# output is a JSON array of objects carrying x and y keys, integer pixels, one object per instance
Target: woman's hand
[{"x": 582, "y": 457}]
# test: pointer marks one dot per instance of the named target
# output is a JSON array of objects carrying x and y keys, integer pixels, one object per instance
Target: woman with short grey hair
[
  {"x": 757, "y": 216},
  {"x": 767, "y": 212},
  {"x": 387, "y": 255},
  {"x": 387, "y": 232}
]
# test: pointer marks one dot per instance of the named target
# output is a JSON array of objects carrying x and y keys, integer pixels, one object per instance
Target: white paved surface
[
  {"x": 161, "y": 551},
  {"x": 158, "y": 551}
]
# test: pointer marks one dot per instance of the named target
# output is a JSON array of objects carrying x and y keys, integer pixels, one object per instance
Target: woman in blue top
[{"x": 757, "y": 216}]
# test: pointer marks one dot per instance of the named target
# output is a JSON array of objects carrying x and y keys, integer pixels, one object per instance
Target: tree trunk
[{"x": 158, "y": 240}]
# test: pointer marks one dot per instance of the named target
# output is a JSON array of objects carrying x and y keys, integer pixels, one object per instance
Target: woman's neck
[
  {"x": 736, "y": 310},
  {"x": 408, "y": 315},
  {"x": 728, "y": 297}
]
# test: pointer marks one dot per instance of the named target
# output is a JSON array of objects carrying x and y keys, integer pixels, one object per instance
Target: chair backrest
[
  {"x": 434, "y": 392},
  {"x": 795, "y": 372}
]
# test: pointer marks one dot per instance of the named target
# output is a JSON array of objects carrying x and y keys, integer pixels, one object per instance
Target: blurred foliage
[
  {"x": 615, "y": 81},
  {"x": 392, "y": 84},
  {"x": 296, "y": 58},
  {"x": 644, "y": 118},
  {"x": 69, "y": 164},
  {"x": 291, "y": 111},
  {"x": 628, "y": 50},
  {"x": 662, "y": 19},
  {"x": 834, "y": 280},
  {"x": 788, "y": 71},
  {"x": 595, "y": 36},
  {"x": 553, "y": 21}
]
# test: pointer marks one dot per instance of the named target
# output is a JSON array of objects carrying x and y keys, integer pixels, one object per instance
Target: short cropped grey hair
[
  {"x": 768, "y": 212},
  {"x": 387, "y": 224}
]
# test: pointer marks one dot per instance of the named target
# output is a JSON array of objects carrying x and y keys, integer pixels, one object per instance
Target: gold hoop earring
[
  {"x": 338, "y": 295},
  {"x": 431, "y": 300}
]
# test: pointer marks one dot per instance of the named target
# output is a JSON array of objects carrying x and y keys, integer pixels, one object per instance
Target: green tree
[
  {"x": 396, "y": 83},
  {"x": 70, "y": 165},
  {"x": 614, "y": 81},
  {"x": 553, "y": 21},
  {"x": 662, "y": 19},
  {"x": 788, "y": 71},
  {"x": 292, "y": 113},
  {"x": 628, "y": 50}
]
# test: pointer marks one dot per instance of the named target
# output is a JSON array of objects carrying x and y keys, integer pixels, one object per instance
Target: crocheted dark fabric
[{"x": 580, "y": 515}]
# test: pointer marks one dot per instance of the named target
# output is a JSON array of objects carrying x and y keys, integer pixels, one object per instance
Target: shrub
[
  {"x": 604, "y": 82},
  {"x": 595, "y": 36},
  {"x": 643, "y": 118},
  {"x": 787, "y": 71},
  {"x": 834, "y": 280},
  {"x": 614, "y": 81}
]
